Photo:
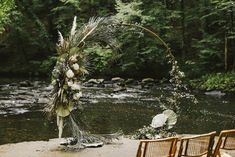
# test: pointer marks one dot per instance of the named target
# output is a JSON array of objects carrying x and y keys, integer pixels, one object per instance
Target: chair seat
[
  {"x": 225, "y": 144},
  {"x": 223, "y": 154}
]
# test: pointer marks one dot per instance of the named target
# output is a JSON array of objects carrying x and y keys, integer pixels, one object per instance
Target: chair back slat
[
  {"x": 229, "y": 143},
  {"x": 197, "y": 146},
  {"x": 157, "y": 148},
  {"x": 226, "y": 141}
]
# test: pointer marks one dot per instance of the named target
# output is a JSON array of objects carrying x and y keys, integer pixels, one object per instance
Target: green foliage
[
  {"x": 210, "y": 55},
  {"x": 141, "y": 54},
  {"x": 74, "y": 3},
  {"x": 63, "y": 13},
  {"x": 99, "y": 58},
  {"x": 148, "y": 132},
  {"x": 5, "y": 7},
  {"x": 217, "y": 81},
  {"x": 42, "y": 67},
  {"x": 28, "y": 38},
  {"x": 129, "y": 12},
  {"x": 195, "y": 30},
  {"x": 159, "y": 128}
]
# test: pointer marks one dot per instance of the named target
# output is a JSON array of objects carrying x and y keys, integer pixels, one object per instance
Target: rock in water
[
  {"x": 215, "y": 93},
  {"x": 93, "y": 81},
  {"x": 129, "y": 81},
  {"x": 25, "y": 84},
  {"x": 148, "y": 80},
  {"x": 119, "y": 89},
  {"x": 117, "y": 79}
]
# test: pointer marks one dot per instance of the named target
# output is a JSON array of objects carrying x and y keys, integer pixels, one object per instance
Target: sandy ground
[{"x": 123, "y": 148}]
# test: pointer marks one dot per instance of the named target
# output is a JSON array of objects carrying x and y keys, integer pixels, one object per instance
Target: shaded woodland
[{"x": 201, "y": 34}]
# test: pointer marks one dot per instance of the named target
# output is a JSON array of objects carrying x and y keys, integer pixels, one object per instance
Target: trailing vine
[{"x": 160, "y": 125}]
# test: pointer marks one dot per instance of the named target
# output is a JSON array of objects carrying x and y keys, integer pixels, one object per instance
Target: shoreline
[{"x": 124, "y": 147}]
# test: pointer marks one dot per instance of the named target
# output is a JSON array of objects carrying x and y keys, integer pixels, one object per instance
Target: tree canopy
[
  {"x": 5, "y": 7},
  {"x": 200, "y": 33}
]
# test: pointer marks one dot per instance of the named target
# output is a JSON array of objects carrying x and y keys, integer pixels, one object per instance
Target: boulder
[
  {"x": 215, "y": 93},
  {"x": 147, "y": 80},
  {"x": 117, "y": 79},
  {"x": 119, "y": 89},
  {"x": 86, "y": 84},
  {"x": 100, "y": 80},
  {"x": 48, "y": 88},
  {"x": 93, "y": 81},
  {"x": 25, "y": 84},
  {"x": 13, "y": 84},
  {"x": 43, "y": 100},
  {"x": 129, "y": 81},
  {"x": 36, "y": 83}
]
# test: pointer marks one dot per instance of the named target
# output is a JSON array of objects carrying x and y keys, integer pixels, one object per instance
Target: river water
[{"x": 104, "y": 111}]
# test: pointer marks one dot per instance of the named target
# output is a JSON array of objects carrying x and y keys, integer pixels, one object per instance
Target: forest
[{"x": 200, "y": 33}]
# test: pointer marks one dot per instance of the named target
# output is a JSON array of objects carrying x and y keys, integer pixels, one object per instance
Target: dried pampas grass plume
[{"x": 74, "y": 27}]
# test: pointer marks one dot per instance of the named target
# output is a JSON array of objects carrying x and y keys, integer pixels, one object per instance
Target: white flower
[
  {"x": 157, "y": 136},
  {"x": 75, "y": 66},
  {"x": 62, "y": 60},
  {"x": 148, "y": 135},
  {"x": 73, "y": 58},
  {"x": 70, "y": 83},
  {"x": 76, "y": 86},
  {"x": 70, "y": 73},
  {"x": 77, "y": 96},
  {"x": 53, "y": 82},
  {"x": 181, "y": 73}
]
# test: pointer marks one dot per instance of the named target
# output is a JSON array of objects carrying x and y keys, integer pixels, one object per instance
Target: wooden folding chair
[
  {"x": 157, "y": 148},
  {"x": 226, "y": 141},
  {"x": 197, "y": 146}
]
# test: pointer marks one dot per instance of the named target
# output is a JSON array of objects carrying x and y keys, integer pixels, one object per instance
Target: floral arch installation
[{"x": 71, "y": 66}]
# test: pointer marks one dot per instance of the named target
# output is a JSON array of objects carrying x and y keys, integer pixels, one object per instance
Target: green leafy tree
[
  {"x": 218, "y": 20},
  {"x": 28, "y": 38},
  {"x": 5, "y": 7}
]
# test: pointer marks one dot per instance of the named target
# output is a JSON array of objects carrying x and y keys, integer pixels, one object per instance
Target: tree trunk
[
  {"x": 183, "y": 28},
  {"x": 232, "y": 39},
  {"x": 225, "y": 53}
]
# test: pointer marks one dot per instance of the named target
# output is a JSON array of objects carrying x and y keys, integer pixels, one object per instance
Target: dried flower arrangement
[{"x": 71, "y": 65}]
